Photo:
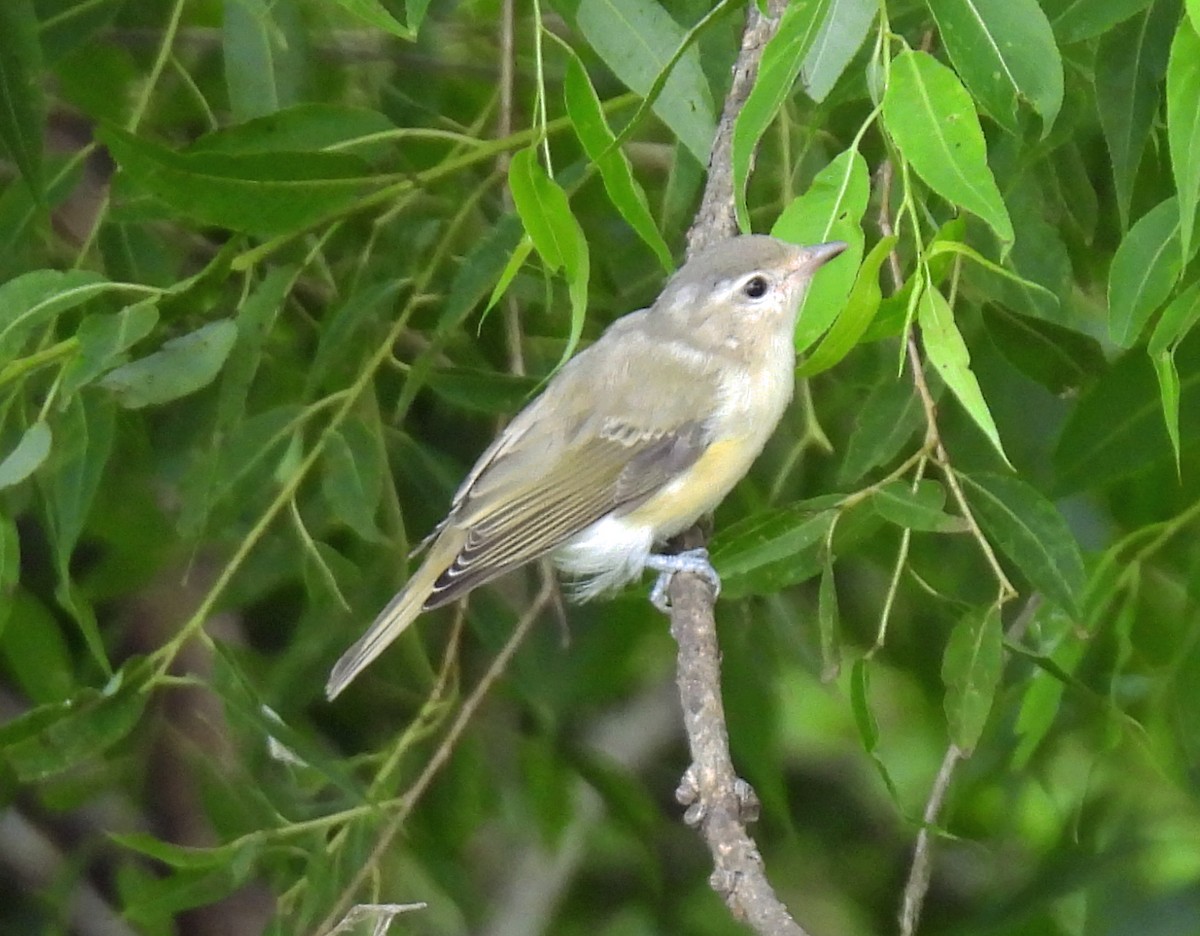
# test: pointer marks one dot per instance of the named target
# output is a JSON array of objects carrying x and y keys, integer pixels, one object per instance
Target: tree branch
[{"x": 718, "y": 801}]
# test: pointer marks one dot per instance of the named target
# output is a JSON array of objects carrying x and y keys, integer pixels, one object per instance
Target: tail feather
[{"x": 391, "y": 623}]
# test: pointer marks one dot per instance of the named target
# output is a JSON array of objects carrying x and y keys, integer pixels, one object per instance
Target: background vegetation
[{"x": 272, "y": 273}]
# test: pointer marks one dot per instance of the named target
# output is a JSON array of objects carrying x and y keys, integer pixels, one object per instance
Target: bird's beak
[{"x": 810, "y": 259}]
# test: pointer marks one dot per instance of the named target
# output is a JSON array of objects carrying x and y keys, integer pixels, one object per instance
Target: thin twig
[
  {"x": 918, "y": 875},
  {"x": 717, "y": 800},
  {"x": 439, "y": 757}
]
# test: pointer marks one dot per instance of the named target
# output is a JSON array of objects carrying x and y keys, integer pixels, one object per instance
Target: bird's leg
[{"x": 690, "y": 560}]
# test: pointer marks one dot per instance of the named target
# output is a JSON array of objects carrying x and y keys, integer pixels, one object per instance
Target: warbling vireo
[{"x": 628, "y": 444}]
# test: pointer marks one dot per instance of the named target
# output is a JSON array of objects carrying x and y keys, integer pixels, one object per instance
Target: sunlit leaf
[
  {"x": 1183, "y": 125},
  {"x": 831, "y": 209},
  {"x": 777, "y": 72},
  {"x": 948, "y": 353},
  {"x": 933, "y": 121}
]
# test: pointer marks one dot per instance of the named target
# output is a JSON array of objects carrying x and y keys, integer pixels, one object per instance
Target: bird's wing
[{"x": 578, "y": 453}]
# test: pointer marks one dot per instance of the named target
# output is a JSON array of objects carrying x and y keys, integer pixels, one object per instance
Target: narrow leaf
[
  {"x": 1183, "y": 125},
  {"x": 827, "y": 622},
  {"x": 265, "y": 193},
  {"x": 831, "y": 209},
  {"x": 1144, "y": 270},
  {"x": 932, "y": 119},
  {"x": 103, "y": 341},
  {"x": 587, "y": 116},
  {"x": 27, "y": 456},
  {"x": 920, "y": 510},
  {"x": 1005, "y": 52},
  {"x": 1031, "y": 533},
  {"x": 1168, "y": 389},
  {"x": 22, "y": 111},
  {"x": 971, "y": 669},
  {"x": 841, "y": 35},
  {"x": 1130, "y": 63},
  {"x": 1076, "y": 20},
  {"x": 781, "y": 61},
  {"x": 1116, "y": 427},
  {"x": 183, "y": 365},
  {"x": 637, "y": 40},
  {"x": 948, "y": 353},
  {"x": 855, "y": 318},
  {"x": 35, "y": 298},
  {"x": 1176, "y": 321}
]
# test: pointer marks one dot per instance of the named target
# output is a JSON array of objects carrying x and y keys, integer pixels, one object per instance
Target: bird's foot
[{"x": 667, "y": 566}]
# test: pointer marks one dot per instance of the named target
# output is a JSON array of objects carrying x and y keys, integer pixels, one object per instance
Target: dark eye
[{"x": 756, "y": 287}]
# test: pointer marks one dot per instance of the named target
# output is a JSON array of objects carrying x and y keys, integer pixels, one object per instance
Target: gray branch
[{"x": 719, "y": 802}]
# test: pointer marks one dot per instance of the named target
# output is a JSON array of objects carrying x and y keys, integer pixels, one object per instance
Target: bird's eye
[{"x": 756, "y": 287}]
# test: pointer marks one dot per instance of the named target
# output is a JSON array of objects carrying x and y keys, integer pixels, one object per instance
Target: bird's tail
[{"x": 391, "y": 623}]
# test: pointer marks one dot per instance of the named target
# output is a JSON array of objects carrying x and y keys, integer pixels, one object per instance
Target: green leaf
[
  {"x": 1031, "y": 533},
  {"x": 947, "y": 351},
  {"x": 28, "y": 455},
  {"x": 544, "y": 210},
  {"x": 352, "y": 477},
  {"x": 103, "y": 341},
  {"x": 181, "y": 366},
  {"x": 376, "y": 15},
  {"x": 587, "y": 116},
  {"x": 302, "y": 128},
  {"x": 864, "y": 719},
  {"x": 254, "y": 322},
  {"x": 781, "y": 61},
  {"x": 1168, "y": 390},
  {"x": 827, "y": 622},
  {"x": 1193, "y": 12},
  {"x": 786, "y": 536},
  {"x": 84, "y": 438},
  {"x": 10, "y": 567},
  {"x": 38, "y": 654},
  {"x": 637, "y": 40},
  {"x": 1116, "y": 427},
  {"x": 1076, "y": 20},
  {"x": 831, "y": 209},
  {"x": 482, "y": 391},
  {"x": 919, "y": 510},
  {"x": 546, "y": 214},
  {"x": 1130, "y": 63},
  {"x": 22, "y": 111},
  {"x": 887, "y": 419},
  {"x": 1144, "y": 270},
  {"x": 1176, "y": 321},
  {"x": 261, "y": 54},
  {"x": 180, "y": 856},
  {"x": 483, "y": 269},
  {"x": 856, "y": 317},
  {"x": 1183, "y": 125},
  {"x": 36, "y": 298},
  {"x": 49, "y": 740},
  {"x": 1058, "y": 358},
  {"x": 932, "y": 120},
  {"x": 265, "y": 193},
  {"x": 971, "y": 670},
  {"x": 1005, "y": 52},
  {"x": 842, "y": 33}
]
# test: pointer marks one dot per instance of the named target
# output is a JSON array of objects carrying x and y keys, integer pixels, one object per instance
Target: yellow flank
[{"x": 699, "y": 489}]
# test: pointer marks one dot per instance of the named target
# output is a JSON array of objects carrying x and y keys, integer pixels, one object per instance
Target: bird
[{"x": 629, "y": 443}]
